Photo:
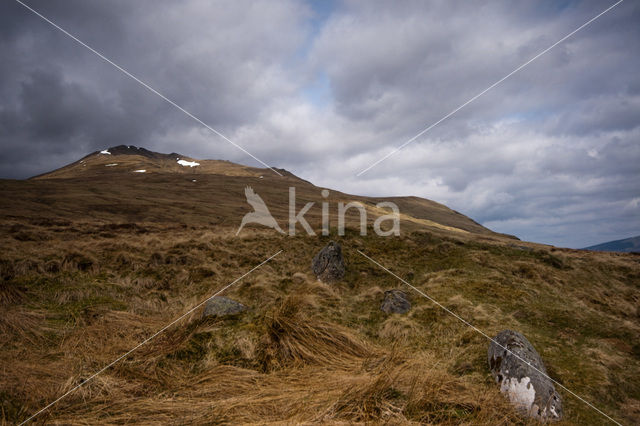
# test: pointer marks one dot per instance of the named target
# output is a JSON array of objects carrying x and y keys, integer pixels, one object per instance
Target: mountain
[
  {"x": 127, "y": 183},
  {"x": 131, "y": 159},
  {"x": 97, "y": 257},
  {"x": 627, "y": 245}
]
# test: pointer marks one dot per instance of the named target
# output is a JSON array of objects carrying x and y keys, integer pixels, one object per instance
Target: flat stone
[
  {"x": 518, "y": 368},
  {"x": 395, "y": 302},
  {"x": 220, "y": 306}
]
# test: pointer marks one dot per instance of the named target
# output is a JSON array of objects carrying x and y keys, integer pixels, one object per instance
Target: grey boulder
[
  {"x": 395, "y": 302},
  {"x": 328, "y": 264},
  {"x": 220, "y": 306},
  {"x": 519, "y": 370}
]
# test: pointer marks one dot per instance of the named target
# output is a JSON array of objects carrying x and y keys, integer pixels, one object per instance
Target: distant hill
[{"x": 627, "y": 245}]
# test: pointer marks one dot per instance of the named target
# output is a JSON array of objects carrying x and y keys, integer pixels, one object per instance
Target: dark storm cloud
[
  {"x": 50, "y": 114},
  {"x": 550, "y": 155},
  {"x": 61, "y": 101},
  {"x": 59, "y": 119}
]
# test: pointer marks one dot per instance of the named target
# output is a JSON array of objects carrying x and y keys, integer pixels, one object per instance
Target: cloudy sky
[{"x": 325, "y": 89}]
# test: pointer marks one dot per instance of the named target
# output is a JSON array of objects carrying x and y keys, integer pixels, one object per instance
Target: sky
[{"x": 326, "y": 89}]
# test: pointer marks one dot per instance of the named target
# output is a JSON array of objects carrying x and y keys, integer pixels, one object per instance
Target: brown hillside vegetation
[
  {"x": 93, "y": 264},
  {"x": 102, "y": 186}
]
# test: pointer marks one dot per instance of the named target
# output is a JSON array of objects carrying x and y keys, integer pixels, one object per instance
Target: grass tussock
[
  {"x": 294, "y": 338},
  {"x": 21, "y": 325},
  {"x": 11, "y": 293}
]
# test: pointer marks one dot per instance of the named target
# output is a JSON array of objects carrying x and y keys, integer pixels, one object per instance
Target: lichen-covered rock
[
  {"x": 395, "y": 302},
  {"x": 328, "y": 264},
  {"x": 519, "y": 370},
  {"x": 220, "y": 306}
]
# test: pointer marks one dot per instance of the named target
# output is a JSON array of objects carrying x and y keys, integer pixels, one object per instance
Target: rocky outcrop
[
  {"x": 519, "y": 370},
  {"x": 328, "y": 264},
  {"x": 395, "y": 302},
  {"x": 220, "y": 306}
]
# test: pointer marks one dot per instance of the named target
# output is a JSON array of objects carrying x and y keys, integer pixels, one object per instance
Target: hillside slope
[
  {"x": 626, "y": 245},
  {"x": 212, "y": 191},
  {"x": 92, "y": 265}
]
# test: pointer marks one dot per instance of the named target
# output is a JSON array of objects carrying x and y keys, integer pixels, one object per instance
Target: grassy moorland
[{"x": 89, "y": 268}]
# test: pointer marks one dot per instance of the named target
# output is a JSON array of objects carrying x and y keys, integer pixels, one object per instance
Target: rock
[
  {"x": 219, "y": 306},
  {"x": 299, "y": 278},
  {"x": 395, "y": 302},
  {"x": 527, "y": 385},
  {"x": 328, "y": 265}
]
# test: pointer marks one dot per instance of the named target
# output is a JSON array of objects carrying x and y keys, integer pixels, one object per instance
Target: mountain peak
[
  {"x": 134, "y": 150},
  {"x": 126, "y": 159}
]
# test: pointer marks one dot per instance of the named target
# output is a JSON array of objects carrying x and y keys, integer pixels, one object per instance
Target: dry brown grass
[{"x": 293, "y": 339}]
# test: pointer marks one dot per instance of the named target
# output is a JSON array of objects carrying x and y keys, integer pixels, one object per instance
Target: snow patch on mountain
[{"x": 188, "y": 163}]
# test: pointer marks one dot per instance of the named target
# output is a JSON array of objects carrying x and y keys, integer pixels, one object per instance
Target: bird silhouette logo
[{"x": 260, "y": 213}]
